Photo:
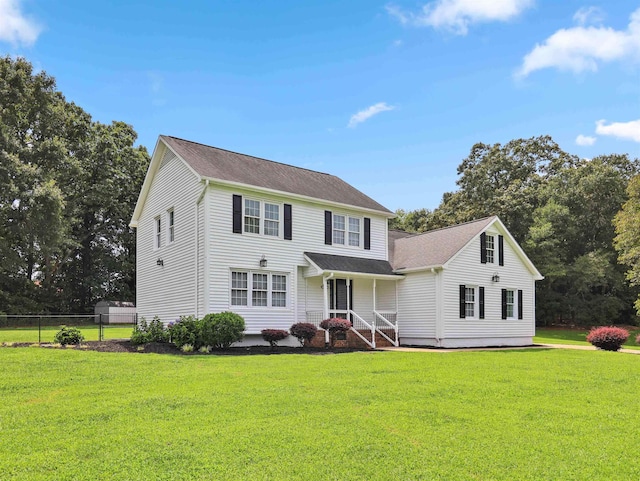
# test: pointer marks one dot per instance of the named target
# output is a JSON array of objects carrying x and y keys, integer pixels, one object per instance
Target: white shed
[{"x": 115, "y": 312}]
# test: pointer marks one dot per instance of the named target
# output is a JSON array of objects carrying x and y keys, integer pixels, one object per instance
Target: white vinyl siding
[
  {"x": 169, "y": 291},
  {"x": 417, "y": 306}
]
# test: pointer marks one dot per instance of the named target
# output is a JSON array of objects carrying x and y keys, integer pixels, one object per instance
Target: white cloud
[
  {"x": 588, "y": 15},
  {"x": 581, "y": 48},
  {"x": 15, "y": 28},
  {"x": 457, "y": 15},
  {"x": 623, "y": 130},
  {"x": 585, "y": 140},
  {"x": 368, "y": 113}
]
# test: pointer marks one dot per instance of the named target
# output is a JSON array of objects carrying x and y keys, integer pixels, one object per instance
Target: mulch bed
[{"x": 119, "y": 345}]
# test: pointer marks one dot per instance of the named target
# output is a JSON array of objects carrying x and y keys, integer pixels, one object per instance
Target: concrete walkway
[{"x": 535, "y": 346}]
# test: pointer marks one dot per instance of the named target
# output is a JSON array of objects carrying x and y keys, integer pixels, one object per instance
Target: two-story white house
[{"x": 278, "y": 244}]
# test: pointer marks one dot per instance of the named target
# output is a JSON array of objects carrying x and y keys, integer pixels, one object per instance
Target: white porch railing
[
  {"x": 363, "y": 329},
  {"x": 315, "y": 317},
  {"x": 386, "y": 324}
]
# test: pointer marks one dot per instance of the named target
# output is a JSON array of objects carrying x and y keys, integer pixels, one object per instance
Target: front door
[{"x": 340, "y": 297}]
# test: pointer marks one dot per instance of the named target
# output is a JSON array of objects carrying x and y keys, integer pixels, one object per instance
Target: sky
[{"x": 390, "y": 96}]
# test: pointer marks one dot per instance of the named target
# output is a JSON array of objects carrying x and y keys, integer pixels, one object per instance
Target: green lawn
[
  {"x": 576, "y": 336},
  {"x": 90, "y": 332},
  {"x": 506, "y": 415}
]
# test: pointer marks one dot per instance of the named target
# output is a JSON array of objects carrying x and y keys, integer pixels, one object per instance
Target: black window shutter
[
  {"x": 501, "y": 250},
  {"x": 483, "y": 248},
  {"x": 367, "y": 233},
  {"x": 504, "y": 303},
  {"x": 481, "y": 301},
  {"x": 462, "y": 301},
  {"x": 519, "y": 304},
  {"x": 327, "y": 227},
  {"x": 237, "y": 214},
  {"x": 332, "y": 302},
  {"x": 287, "y": 222}
]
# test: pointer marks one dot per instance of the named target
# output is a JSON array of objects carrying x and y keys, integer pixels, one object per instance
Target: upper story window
[
  {"x": 258, "y": 289},
  {"x": 252, "y": 216},
  {"x": 346, "y": 230},
  {"x": 271, "y": 219},
  {"x": 258, "y": 213},
  {"x": 171, "y": 222},
  {"x": 158, "y": 233},
  {"x": 490, "y": 248}
]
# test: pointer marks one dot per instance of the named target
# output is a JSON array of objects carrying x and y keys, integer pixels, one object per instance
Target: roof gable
[{"x": 219, "y": 164}]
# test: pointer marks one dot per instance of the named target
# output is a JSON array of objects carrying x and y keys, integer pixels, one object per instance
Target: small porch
[{"x": 364, "y": 291}]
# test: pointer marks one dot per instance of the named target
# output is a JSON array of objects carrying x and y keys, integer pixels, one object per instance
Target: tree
[{"x": 627, "y": 240}]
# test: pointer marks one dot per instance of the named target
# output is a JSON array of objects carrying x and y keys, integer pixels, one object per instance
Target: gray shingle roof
[
  {"x": 330, "y": 262},
  {"x": 215, "y": 163},
  {"x": 436, "y": 247}
]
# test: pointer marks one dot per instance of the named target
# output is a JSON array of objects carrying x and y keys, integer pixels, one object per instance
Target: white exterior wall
[
  {"x": 467, "y": 269},
  {"x": 168, "y": 291},
  {"x": 227, "y": 250},
  {"x": 386, "y": 296},
  {"x": 417, "y": 308}
]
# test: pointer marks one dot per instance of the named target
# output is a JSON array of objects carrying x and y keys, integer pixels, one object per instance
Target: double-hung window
[
  {"x": 263, "y": 214},
  {"x": 470, "y": 302},
  {"x": 490, "y": 248},
  {"x": 158, "y": 234},
  {"x": 511, "y": 304},
  {"x": 258, "y": 289},
  {"x": 346, "y": 230},
  {"x": 252, "y": 216},
  {"x": 171, "y": 231},
  {"x": 271, "y": 219}
]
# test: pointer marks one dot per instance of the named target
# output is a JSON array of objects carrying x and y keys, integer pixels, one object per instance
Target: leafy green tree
[{"x": 627, "y": 240}]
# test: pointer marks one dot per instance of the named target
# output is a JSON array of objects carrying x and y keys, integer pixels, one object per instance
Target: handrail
[
  {"x": 370, "y": 327},
  {"x": 378, "y": 316}
]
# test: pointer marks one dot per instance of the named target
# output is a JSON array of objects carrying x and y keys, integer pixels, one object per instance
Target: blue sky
[{"x": 390, "y": 96}]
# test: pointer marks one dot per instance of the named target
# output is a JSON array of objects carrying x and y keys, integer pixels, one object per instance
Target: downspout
[
  {"x": 197, "y": 256},
  {"x": 439, "y": 302}
]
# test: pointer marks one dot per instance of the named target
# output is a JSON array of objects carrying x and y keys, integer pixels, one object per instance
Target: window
[
  {"x": 470, "y": 302},
  {"x": 354, "y": 232},
  {"x": 510, "y": 304},
  {"x": 271, "y": 219},
  {"x": 158, "y": 238},
  {"x": 239, "y": 288},
  {"x": 490, "y": 248},
  {"x": 346, "y": 230},
  {"x": 265, "y": 289},
  {"x": 252, "y": 216},
  {"x": 170, "y": 233}
]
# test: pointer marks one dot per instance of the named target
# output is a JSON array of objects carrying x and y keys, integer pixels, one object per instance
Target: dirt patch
[{"x": 166, "y": 348}]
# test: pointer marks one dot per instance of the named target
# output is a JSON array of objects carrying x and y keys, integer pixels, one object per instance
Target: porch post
[
  {"x": 374, "y": 297},
  {"x": 348, "y": 296},
  {"x": 325, "y": 295}
]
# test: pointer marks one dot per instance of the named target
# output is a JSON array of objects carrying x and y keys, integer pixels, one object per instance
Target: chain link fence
[{"x": 42, "y": 328}]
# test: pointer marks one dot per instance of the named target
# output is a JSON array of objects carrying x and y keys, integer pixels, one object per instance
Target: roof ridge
[
  {"x": 449, "y": 227},
  {"x": 249, "y": 155}
]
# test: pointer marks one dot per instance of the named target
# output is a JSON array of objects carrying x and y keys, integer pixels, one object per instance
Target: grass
[
  {"x": 525, "y": 415},
  {"x": 89, "y": 331},
  {"x": 576, "y": 337}
]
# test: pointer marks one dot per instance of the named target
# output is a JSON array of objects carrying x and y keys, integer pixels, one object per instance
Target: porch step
[{"x": 352, "y": 340}]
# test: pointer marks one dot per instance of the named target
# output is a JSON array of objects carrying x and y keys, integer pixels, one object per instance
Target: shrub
[
  {"x": 303, "y": 331},
  {"x": 153, "y": 331},
  {"x": 68, "y": 335},
  {"x": 184, "y": 331},
  {"x": 638, "y": 339},
  {"x": 335, "y": 325},
  {"x": 187, "y": 348},
  {"x": 226, "y": 328},
  {"x": 272, "y": 336},
  {"x": 608, "y": 338}
]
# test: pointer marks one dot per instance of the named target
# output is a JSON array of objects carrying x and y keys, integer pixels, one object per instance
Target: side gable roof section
[{"x": 438, "y": 248}]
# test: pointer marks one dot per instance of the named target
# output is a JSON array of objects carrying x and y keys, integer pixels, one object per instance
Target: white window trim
[
  {"x": 171, "y": 226},
  {"x": 157, "y": 232},
  {"x": 476, "y": 303},
  {"x": 262, "y": 218},
  {"x": 514, "y": 317},
  {"x": 347, "y": 231},
  {"x": 491, "y": 250},
  {"x": 249, "y": 289}
]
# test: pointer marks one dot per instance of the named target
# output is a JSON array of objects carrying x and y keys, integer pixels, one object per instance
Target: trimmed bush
[
  {"x": 272, "y": 336},
  {"x": 225, "y": 329},
  {"x": 608, "y": 338},
  {"x": 184, "y": 331},
  {"x": 638, "y": 339},
  {"x": 303, "y": 331},
  {"x": 68, "y": 335},
  {"x": 153, "y": 331},
  {"x": 335, "y": 325}
]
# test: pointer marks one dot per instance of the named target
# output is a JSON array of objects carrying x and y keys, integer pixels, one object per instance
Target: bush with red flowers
[
  {"x": 609, "y": 338},
  {"x": 272, "y": 336},
  {"x": 303, "y": 331}
]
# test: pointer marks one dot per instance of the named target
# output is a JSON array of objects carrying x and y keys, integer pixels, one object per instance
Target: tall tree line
[
  {"x": 68, "y": 186},
  {"x": 561, "y": 209}
]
